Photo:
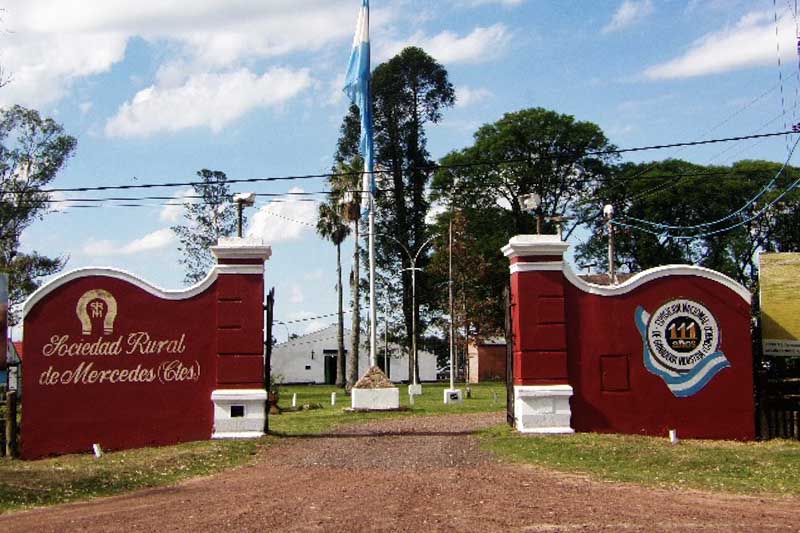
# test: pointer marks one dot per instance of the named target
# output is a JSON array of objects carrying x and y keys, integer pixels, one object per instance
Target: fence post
[{"x": 11, "y": 424}]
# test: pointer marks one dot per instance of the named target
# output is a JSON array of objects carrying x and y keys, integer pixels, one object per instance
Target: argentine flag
[{"x": 358, "y": 87}]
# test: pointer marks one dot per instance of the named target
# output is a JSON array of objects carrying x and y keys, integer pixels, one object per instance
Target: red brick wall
[{"x": 565, "y": 335}]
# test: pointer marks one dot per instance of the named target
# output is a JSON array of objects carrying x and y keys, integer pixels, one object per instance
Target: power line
[
  {"x": 433, "y": 166},
  {"x": 280, "y": 197},
  {"x": 730, "y": 215},
  {"x": 309, "y": 319}
]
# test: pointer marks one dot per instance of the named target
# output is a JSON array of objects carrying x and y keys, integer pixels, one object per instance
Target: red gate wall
[
  {"x": 572, "y": 334},
  {"x": 110, "y": 359},
  {"x": 614, "y": 392}
]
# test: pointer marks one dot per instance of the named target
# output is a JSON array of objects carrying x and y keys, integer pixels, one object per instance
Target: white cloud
[
  {"x": 296, "y": 295},
  {"x": 156, "y": 240},
  {"x": 152, "y": 241},
  {"x": 42, "y": 68},
  {"x": 466, "y": 96},
  {"x": 482, "y": 44},
  {"x": 96, "y": 248},
  {"x": 205, "y": 100},
  {"x": 48, "y": 46},
  {"x": 285, "y": 220},
  {"x": 336, "y": 91},
  {"x": 85, "y": 107},
  {"x": 173, "y": 211},
  {"x": 628, "y": 13},
  {"x": 59, "y": 202},
  {"x": 749, "y": 43},
  {"x": 475, "y": 3},
  {"x": 316, "y": 275},
  {"x": 314, "y": 326}
]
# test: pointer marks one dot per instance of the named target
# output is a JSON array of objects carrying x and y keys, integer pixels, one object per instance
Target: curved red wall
[
  {"x": 167, "y": 400},
  {"x": 614, "y": 392}
]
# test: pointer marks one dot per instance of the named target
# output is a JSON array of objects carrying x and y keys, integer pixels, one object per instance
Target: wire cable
[
  {"x": 432, "y": 166},
  {"x": 730, "y": 215}
]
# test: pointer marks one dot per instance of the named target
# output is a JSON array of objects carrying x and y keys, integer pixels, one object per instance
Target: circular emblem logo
[{"x": 681, "y": 333}]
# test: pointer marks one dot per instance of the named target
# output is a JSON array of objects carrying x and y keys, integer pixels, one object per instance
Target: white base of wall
[
  {"x": 453, "y": 396},
  {"x": 248, "y": 407},
  {"x": 238, "y": 435},
  {"x": 416, "y": 390},
  {"x": 542, "y": 408},
  {"x": 375, "y": 399}
]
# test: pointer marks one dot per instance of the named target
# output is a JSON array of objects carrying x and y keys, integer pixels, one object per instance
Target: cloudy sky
[{"x": 156, "y": 90}]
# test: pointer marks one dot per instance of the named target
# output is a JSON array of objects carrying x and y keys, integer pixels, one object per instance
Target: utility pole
[
  {"x": 386, "y": 369},
  {"x": 608, "y": 211},
  {"x": 452, "y": 328},
  {"x": 452, "y": 395}
]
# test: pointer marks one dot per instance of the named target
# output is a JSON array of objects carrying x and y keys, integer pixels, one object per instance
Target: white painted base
[
  {"x": 542, "y": 408},
  {"x": 250, "y": 425},
  {"x": 375, "y": 399},
  {"x": 453, "y": 396},
  {"x": 416, "y": 390},
  {"x": 238, "y": 435}
]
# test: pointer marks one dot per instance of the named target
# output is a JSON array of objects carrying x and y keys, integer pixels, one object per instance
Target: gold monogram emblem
[{"x": 96, "y": 301}]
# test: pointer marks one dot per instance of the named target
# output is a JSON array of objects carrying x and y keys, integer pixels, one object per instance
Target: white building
[{"x": 312, "y": 359}]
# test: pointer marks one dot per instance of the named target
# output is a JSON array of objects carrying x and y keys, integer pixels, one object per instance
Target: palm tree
[
  {"x": 331, "y": 226},
  {"x": 346, "y": 184}
]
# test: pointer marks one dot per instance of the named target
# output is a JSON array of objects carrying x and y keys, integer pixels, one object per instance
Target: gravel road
[{"x": 406, "y": 474}]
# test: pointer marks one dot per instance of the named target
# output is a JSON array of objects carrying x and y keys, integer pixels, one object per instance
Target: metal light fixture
[{"x": 242, "y": 200}]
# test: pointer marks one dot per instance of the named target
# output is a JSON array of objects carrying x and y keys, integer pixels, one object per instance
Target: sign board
[
  {"x": 108, "y": 361},
  {"x": 779, "y": 280}
]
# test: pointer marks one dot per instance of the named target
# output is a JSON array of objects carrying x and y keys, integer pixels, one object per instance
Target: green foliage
[
  {"x": 754, "y": 467},
  {"x": 549, "y": 154},
  {"x": 332, "y": 226},
  {"x": 679, "y": 193},
  {"x": 210, "y": 216},
  {"x": 410, "y": 91},
  {"x": 76, "y": 477},
  {"x": 32, "y": 151}
]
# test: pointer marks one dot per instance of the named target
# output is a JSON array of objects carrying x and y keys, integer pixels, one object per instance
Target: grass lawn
[
  {"x": 79, "y": 477},
  {"x": 754, "y": 467},
  {"x": 486, "y": 397}
]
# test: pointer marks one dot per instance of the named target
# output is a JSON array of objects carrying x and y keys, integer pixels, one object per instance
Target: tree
[
  {"x": 32, "y": 151},
  {"x": 410, "y": 90},
  {"x": 331, "y": 226},
  {"x": 723, "y": 210},
  {"x": 529, "y": 151},
  {"x": 533, "y": 151},
  {"x": 345, "y": 185},
  {"x": 207, "y": 219}
]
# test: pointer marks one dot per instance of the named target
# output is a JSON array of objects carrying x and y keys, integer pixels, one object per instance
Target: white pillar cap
[{"x": 531, "y": 245}]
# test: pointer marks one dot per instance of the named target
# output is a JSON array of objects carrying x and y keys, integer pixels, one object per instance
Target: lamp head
[
  {"x": 247, "y": 199},
  {"x": 531, "y": 202}
]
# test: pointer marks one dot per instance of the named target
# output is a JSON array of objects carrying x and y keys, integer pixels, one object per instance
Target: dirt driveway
[{"x": 409, "y": 474}]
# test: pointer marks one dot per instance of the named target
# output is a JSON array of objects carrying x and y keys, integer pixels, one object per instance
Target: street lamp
[
  {"x": 414, "y": 388},
  {"x": 608, "y": 212},
  {"x": 533, "y": 203},
  {"x": 243, "y": 199}
]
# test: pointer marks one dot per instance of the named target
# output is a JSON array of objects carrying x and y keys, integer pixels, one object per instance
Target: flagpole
[
  {"x": 358, "y": 88},
  {"x": 373, "y": 322}
]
